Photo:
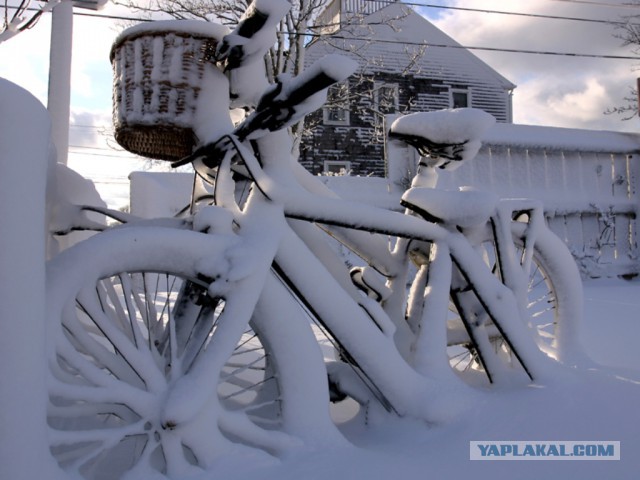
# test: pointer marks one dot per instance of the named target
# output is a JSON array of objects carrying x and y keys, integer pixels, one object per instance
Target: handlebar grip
[{"x": 284, "y": 103}]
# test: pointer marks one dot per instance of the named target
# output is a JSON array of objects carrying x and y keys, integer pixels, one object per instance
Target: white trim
[
  {"x": 328, "y": 121},
  {"x": 345, "y": 164},
  {"x": 377, "y": 86},
  {"x": 345, "y": 111},
  {"x": 459, "y": 90}
]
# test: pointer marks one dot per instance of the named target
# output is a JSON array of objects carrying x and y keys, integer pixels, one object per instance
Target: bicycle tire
[
  {"x": 553, "y": 303},
  {"x": 129, "y": 316}
]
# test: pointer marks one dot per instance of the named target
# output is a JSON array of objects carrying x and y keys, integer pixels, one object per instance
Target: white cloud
[
  {"x": 581, "y": 105},
  {"x": 552, "y": 90},
  {"x": 24, "y": 60},
  {"x": 93, "y": 38},
  {"x": 576, "y": 107}
]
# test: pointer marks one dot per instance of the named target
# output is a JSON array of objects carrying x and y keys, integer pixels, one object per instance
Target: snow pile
[
  {"x": 24, "y": 161},
  {"x": 71, "y": 191},
  {"x": 465, "y": 207},
  {"x": 447, "y": 126},
  {"x": 454, "y": 134},
  {"x": 191, "y": 27},
  {"x": 212, "y": 119},
  {"x": 587, "y": 406}
]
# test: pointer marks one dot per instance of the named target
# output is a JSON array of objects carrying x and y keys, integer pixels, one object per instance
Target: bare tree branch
[
  {"x": 16, "y": 19},
  {"x": 629, "y": 33}
]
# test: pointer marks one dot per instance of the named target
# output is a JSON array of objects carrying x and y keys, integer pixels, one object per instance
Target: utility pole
[{"x": 59, "y": 98}]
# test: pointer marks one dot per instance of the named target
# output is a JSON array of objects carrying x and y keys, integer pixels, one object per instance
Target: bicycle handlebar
[{"x": 283, "y": 104}]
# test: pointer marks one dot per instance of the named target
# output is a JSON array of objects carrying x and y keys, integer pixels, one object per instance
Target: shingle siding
[{"x": 424, "y": 74}]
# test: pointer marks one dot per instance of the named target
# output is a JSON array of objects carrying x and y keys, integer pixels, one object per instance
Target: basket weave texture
[{"x": 157, "y": 80}]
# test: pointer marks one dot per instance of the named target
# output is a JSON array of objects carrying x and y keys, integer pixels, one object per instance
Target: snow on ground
[
  {"x": 612, "y": 322},
  {"x": 594, "y": 404}
]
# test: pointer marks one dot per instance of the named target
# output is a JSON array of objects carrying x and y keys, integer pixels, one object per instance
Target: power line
[
  {"x": 492, "y": 49},
  {"x": 95, "y": 127},
  {"x": 97, "y": 148},
  {"x": 94, "y": 152},
  {"x": 581, "y": 2},
  {"x": 113, "y": 17},
  {"x": 416, "y": 4},
  {"x": 86, "y": 14},
  {"x": 600, "y": 4},
  {"x": 517, "y": 14},
  {"x": 468, "y": 47},
  {"x": 101, "y": 155}
]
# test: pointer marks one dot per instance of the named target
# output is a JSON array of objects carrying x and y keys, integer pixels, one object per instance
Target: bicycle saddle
[
  {"x": 448, "y": 136},
  {"x": 464, "y": 207}
]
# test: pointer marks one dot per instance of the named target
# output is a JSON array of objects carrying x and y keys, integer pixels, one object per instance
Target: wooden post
[{"x": 59, "y": 98}]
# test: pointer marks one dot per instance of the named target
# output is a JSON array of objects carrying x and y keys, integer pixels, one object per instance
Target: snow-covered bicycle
[{"x": 177, "y": 343}]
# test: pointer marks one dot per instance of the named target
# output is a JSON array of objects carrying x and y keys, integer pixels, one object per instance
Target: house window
[
  {"x": 336, "y": 109},
  {"x": 385, "y": 98},
  {"x": 336, "y": 167},
  {"x": 459, "y": 98}
]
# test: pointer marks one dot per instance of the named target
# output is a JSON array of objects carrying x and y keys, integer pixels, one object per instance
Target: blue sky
[{"x": 552, "y": 90}]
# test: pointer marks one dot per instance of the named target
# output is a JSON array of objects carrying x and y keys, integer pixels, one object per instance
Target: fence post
[{"x": 24, "y": 152}]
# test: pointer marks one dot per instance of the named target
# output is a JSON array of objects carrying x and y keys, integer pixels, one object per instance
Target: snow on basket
[{"x": 158, "y": 68}]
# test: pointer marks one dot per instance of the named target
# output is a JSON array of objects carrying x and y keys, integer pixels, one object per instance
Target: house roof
[{"x": 396, "y": 39}]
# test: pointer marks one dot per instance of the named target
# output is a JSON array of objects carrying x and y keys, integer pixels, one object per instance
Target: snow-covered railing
[{"x": 587, "y": 180}]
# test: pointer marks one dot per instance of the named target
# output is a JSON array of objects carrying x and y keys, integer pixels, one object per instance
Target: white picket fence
[{"x": 587, "y": 181}]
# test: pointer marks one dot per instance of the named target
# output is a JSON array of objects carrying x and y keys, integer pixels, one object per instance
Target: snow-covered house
[{"x": 406, "y": 65}]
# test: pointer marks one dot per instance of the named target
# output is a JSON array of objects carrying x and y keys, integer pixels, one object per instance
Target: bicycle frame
[{"x": 369, "y": 328}]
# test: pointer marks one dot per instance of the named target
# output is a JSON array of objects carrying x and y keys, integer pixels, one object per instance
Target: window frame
[
  {"x": 327, "y": 110},
  {"x": 453, "y": 91},
  {"x": 346, "y": 164},
  {"x": 377, "y": 87}
]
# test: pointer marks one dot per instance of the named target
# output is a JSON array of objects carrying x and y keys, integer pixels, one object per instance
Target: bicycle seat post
[{"x": 426, "y": 177}]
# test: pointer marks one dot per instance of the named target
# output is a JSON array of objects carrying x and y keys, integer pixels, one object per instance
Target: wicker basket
[{"x": 158, "y": 70}]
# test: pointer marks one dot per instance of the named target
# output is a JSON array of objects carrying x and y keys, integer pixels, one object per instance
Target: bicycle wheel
[
  {"x": 553, "y": 304},
  {"x": 132, "y": 317}
]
